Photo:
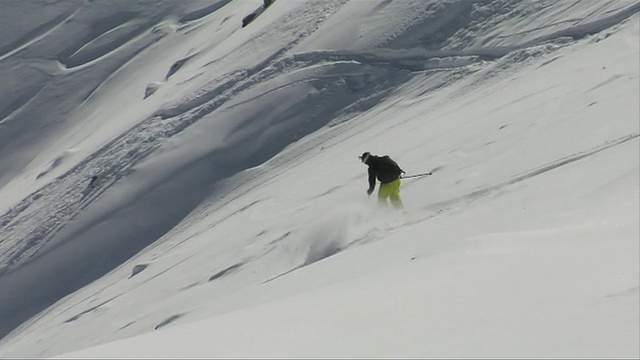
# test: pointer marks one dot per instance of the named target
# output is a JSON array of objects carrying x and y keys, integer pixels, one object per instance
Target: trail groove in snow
[{"x": 480, "y": 193}]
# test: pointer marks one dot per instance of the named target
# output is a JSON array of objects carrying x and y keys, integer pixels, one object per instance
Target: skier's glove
[{"x": 369, "y": 191}]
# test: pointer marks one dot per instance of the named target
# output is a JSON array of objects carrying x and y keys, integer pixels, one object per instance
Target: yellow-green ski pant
[{"x": 390, "y": 191}]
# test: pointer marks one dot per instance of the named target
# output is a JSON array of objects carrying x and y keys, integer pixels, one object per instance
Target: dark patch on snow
[
  {"x": 126, "y": 326},
  {"x": 168, "y": 321},
  {"x": 176, "y": 66},
  {"x": 285, "y": 235},
  {"x": 187, "y": 287},
  {"x": 261, "y": 233},
  {"x": 138, "y": 269},
  {"x": 283, "y": 274},
  {"x": 226, "y": 271},
  {"x": 329, "y": 191},
  {"x": 253, "y": 15},
  {"x": 267, "y": 3},
  {"x": 248, "y": 19},
  {"x": 549, "y": 61},
  {"x": 437, "y": 168},
  {"x": 78, "y": 316}
]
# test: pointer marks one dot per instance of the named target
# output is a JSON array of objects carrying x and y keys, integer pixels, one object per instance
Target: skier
[{"x": 388, "y": 173}]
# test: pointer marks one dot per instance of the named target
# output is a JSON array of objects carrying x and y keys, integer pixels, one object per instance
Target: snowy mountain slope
[{"x": 236, "y": 148}]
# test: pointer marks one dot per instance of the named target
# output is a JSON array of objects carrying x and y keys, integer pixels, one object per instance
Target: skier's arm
[{"x": 372, "y": 180}]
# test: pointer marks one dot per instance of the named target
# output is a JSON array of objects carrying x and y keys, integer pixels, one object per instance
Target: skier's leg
[
  {"x": 394, "y": 195},
  {"x": 384, "y": 191}
]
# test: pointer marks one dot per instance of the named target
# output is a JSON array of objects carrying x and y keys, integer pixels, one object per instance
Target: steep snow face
[{"x": 225, "y": 158}]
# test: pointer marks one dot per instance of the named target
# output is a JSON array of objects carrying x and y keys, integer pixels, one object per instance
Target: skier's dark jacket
[{"x": 382, "y": 168}]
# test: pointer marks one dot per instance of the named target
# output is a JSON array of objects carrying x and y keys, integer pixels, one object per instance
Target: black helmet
[{"x": 364, "y": 157}]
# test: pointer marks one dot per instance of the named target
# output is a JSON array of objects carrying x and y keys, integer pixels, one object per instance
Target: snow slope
[{"x": 230, "y": 219}]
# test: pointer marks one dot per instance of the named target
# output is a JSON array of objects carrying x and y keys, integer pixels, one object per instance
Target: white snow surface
[{"x": 229, "y": 216}]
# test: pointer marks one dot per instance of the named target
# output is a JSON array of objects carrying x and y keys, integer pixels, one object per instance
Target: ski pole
[{"x": 417, "y": 175}]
